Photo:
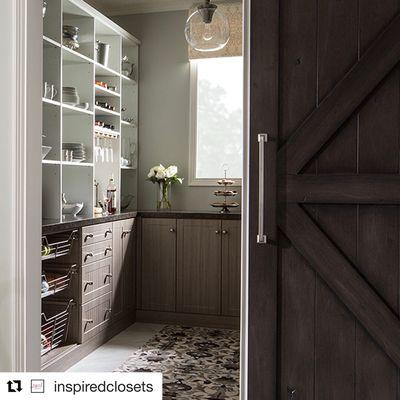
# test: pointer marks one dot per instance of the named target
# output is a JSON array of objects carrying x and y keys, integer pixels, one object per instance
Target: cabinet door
[
  {"x": 129, "y": 264},
  {"x": 118, "y": 282},
  {"x": 123, "y": 268},
  {"x": 199, "y": 266},
  {"x": 158, "y": 266},
  {"x": 95, "y": 316},
  {"x": 96, "y": 279},
  {"x": 231, "y": 262}
]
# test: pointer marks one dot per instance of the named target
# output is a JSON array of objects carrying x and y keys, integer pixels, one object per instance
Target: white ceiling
[{"x": 126, "y": 7}]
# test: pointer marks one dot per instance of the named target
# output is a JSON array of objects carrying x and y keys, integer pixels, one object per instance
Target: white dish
[
  {"x": 84, "y": 106},
  {"x": 72, "y": 209},
  {"x": 70, "y": 103}
]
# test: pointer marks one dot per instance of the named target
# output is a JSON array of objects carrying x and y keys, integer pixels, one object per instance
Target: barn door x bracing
[{"x": 325, "y": 192}]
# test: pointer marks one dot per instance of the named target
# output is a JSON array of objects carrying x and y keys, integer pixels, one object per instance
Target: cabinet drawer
[
  {"x": 96, "y": 252},
  {"x": 96, "y": 233},
  {"x": 95, "y": 316},
  {"x": 96, "y": 279}
]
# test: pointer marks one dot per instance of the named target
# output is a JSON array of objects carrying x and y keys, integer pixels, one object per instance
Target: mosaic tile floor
[{"x": 197, "y": 363}]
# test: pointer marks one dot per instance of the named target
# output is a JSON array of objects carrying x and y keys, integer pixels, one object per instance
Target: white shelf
[
  {"x": 74, "y": 57},
  {"x": 70, "y": 110},
  {"x": 101, "y": 91},
  {"x": 125, "y": 123},
  {"x": 50, "y": 42},
  {"x": 128, "y": 80},
  {"x": 101, "y": 70},
  {"x": 51, "y": 162},
  {"x": 103, "y": 111},
  {"x": 77, "y": 164},
  {"x": 51, "y": 102},
  {"x": 79, "y": 68}
]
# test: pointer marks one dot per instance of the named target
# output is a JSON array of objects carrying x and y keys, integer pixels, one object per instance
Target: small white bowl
[
  {"x": 84, "y": 106},
  {"x": 72, "y": 209}
]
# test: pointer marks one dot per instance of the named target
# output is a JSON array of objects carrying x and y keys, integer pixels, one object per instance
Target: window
[{"x": 216, "y": 119}]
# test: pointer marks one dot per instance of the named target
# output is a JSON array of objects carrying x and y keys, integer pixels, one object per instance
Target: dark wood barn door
[{"x": 324, "y": 288}]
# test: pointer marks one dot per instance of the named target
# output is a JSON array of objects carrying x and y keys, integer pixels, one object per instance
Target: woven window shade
[{"x": 233, "y": 11}]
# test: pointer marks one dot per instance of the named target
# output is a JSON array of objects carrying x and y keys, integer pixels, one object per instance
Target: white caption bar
[{"x": 80, "y": 386}]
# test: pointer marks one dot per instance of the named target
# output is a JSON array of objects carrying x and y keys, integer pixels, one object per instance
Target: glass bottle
[{"x": 112, "y": 196}]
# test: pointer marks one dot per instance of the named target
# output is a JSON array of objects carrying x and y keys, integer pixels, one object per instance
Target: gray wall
[{"x": 164, "y": 106}]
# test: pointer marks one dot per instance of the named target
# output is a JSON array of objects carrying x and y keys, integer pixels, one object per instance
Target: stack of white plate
[
  {"x": 78, "y": 149},
  {"x": 70, "y": 96}
]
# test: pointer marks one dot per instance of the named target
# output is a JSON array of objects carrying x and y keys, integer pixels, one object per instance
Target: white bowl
[
  {"x": 45, "y": 151},
  {"x": 84, "y": 106},
  {"x": 72, "y": 209}
]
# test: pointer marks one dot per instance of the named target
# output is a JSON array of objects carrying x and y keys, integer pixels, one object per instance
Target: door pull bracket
[{"x": 263, "y": 139}]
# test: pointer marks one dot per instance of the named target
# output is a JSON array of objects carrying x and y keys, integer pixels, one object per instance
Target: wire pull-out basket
[
  {"x": 58, "y": 245},
  {"x": 56, "y": 278},
  {"x": 55, "y": 321}
]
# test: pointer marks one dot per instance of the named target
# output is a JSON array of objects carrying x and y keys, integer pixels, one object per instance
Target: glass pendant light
[{"x": 207, "y": 29}]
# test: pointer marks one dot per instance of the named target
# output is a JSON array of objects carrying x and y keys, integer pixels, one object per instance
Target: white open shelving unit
[{"x": 63, "y": 123}]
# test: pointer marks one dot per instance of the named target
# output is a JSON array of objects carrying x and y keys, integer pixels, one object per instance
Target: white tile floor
[{"x": 113, "y": 353}]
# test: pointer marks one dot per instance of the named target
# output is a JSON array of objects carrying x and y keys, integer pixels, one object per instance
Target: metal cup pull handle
[
  {"x": 87, "y": 256},
  {"x": 88, "y": 236},
  {"x": 262, "y": 140},
  {"x": 87, "y": 322}
]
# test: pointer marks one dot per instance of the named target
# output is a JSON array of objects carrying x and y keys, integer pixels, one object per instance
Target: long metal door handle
[{"x": 262, "y": 139}]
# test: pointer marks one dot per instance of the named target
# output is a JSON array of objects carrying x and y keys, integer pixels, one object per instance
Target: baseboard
[
  {"x": 209, "y": 321},
  {"x": 75, "y": 353}
]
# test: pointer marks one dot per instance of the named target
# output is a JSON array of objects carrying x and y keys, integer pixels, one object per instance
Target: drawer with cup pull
[
  {"x": 96, "y": 279},
  {"x": 95, "y": 316},
  {"x": 96, "y": 252},
  {"x": 96, "y": 233}
]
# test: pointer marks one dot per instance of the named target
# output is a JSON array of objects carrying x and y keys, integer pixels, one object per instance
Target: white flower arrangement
[
  {"x": 165, "y": 177},
  {"x": 160, "y": 174}
]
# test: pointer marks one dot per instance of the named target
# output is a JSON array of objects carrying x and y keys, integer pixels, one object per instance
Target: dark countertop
[
  {"x": 54, "y": 226},
  {"x": 189, "y": 214}
]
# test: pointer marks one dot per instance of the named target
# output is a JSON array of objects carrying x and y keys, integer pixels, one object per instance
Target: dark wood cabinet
[
  {"x": 231, "y": 271},
  {"x": 129, "y": 264},
  {"x": 158, "y": 264},
  {"x": 117, "y": 290},
  {"x": 199, "y": 266},
  {"x": 123, "y": 268},
  {"x": 102, "y": 288},
  {"x": 189, "y": 271}
]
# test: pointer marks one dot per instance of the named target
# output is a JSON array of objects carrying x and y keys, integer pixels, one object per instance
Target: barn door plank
[
  {"x": 319, "y": 251},
  {"x": 378, "y": 257},
  {"x": 335, "y": 326},
  {"x": 298, "y": 64},
  {"x": 341, "y": 189},
  {"x": 342, "y": 101},
  {"x": 378, "y": 262},
  {"x": 297, "y": 324},
  {"x": 262, "y": 261}
]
